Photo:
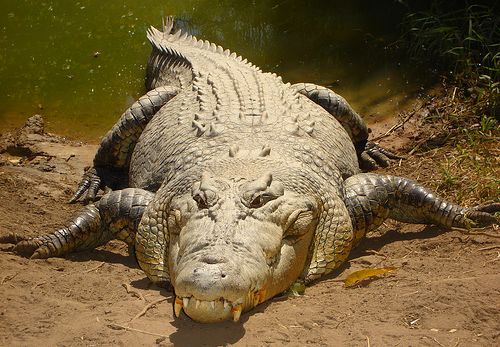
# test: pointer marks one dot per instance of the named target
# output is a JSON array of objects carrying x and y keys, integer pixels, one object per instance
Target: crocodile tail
[
  {"x": 168, "y": 24},
  {"x": 176, "y": 48},
  {"x": 167, "y": 65},
  {"x": 167, "y": 40}
]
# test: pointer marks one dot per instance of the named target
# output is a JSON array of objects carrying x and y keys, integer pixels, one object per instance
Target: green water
[{"x": 81, "y": 63}]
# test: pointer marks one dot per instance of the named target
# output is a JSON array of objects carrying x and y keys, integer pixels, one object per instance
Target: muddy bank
[{"x": 445, "y": 290}]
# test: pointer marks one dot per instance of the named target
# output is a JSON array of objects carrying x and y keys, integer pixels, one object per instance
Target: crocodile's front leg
[
  {"x": 372, "y": 198},
  {"x": 369, "y": 154},
  {"x": 112, "y": 159},
  {"x": 116, "y": 215},
  {"x": 333, "y": 239}
]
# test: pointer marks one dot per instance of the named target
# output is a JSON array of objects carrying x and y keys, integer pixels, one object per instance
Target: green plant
[
  {"x": 448, "y": 179},
  {"x": 487, "y": 124},
  {"x": 467, "y": 39}
]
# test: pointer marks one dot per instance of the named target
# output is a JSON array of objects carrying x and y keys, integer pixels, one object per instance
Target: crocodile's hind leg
[
  {"x": 116, "y": 215},
  {"x": 372, "y": 198},
  {"x": 112, "y": 159},
  {"x": 370, "y": 154}
]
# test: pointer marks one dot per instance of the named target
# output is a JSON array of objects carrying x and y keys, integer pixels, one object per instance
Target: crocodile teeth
[
  {"x": 177, "y": 306},
  {"x": 256, "y": 299},
  {"x": 259, "y": 296},
  {"x": 197, "y": 303},
  {"x": 185, "y": 302},
  {"x": 226, "y": 304},
  {"x": 236, "y": 310},
  {"x": 262, "y": 294},
  {"x": 213, "y": 304}
]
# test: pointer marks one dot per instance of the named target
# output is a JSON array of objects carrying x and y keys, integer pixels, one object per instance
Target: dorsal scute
[
  {"x": 172, "y": 43},
  {"x": 158, "y": 38}
]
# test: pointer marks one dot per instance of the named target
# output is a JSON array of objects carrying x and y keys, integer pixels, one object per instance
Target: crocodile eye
[
  {"x": 260, "y": 200},
  {"x": 259, "y": 192},
  {"x": 204, "y": 192},
  {"x": 205, "y": 199},
  {"x": 200, "y": 199}
]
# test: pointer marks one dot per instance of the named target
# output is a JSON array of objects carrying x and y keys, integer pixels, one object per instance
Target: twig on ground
[
  {"x": 281, "y": 325},
  {"x": 399, "y": 125},
  {"x": 488, "y": 248},
  {"x": 439, "y": 343},
  {"x": 115, "y": 326},
  {"x": 409, "y": 294},
  {"x": 372, "y": 251},
  {"x": 38, "y": 284},
  {"x": 147, "y": 307},
  {"x": 484, "y": 233},
  {"x": 94, "y": 268},
  {"x": 466, "y": 278},
  {"x": 7, "y": 278},
  {"x": 133, "y": 291},
  {"x": 420, "y": 143},
  {"x": 492, "y": 260}
]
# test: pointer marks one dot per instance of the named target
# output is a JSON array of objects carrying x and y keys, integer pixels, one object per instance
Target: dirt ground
[{"x": 445, "y": 290}]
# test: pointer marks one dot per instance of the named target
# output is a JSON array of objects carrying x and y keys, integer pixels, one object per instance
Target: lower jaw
[
  {"x": 212, "y": 311},
  {"x": 217, "y": 310}
]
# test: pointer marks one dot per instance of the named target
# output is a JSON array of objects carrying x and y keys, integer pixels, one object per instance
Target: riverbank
[{"x": 443, "y": 291}]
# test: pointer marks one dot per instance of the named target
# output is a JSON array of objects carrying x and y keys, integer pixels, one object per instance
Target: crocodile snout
[{"x": 216, "y": 286}]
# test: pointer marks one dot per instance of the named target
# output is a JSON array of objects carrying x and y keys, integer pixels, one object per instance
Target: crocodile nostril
[
  {"x": 223, "y": 275},
  {"x": 213, "y": 259}
]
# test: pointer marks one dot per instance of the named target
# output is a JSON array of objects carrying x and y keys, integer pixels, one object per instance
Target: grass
[
  {"x": 467, "y": 38},
  {"x": 465, "y": 167},
  {"x": 463, "y": 42}
]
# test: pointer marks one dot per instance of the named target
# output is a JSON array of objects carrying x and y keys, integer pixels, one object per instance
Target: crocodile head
[{"x": 236, "y": 243}]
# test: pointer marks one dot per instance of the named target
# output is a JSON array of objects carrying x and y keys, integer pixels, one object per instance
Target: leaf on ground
[{"x": 364, "y": 276}]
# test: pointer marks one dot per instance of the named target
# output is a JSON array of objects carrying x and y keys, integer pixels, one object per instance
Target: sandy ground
[{"x": 445, "y": 290}]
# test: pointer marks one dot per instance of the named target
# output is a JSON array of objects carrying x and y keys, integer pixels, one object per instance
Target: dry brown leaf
[{"x": 357, "y": 277}]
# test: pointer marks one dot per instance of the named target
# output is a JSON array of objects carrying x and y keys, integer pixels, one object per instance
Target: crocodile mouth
[{"x": 219, "y": 309}]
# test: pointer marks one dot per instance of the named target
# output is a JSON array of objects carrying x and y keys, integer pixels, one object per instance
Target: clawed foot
[
  {"x": 374, "y": 156},
  {"x": 34, "y": 248},
  {"x": 88, "y": 187},
  {"x": 483, "y": 215},
  {"x": 488, "y": 208}
]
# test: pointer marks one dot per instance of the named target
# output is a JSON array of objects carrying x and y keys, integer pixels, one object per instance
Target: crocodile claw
[
  {"x": 88, "y": 187},
  {"x": 483, "y": 215},
  {"x": 34, "y": 249},
  {"x": 488, "y": 208},
  {"x": 12, "y": 238},
  {"x": 374, "y": 156},
  {"x": 29, "y": 247}
]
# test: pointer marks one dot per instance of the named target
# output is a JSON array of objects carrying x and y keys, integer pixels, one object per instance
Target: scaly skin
[
  {"x": 112, "y": 159},
  {"x": 115, "y": 216},
  {"x": 239, "y": 185},
  {"x": 370, "y": 155}
]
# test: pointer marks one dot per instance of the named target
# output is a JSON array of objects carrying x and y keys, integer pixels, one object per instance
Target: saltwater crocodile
[{"x": 233, "y": 185}]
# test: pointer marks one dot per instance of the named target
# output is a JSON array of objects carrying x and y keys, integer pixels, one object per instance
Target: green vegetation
[
  {"x": 460, "y": 41},
  {"x": 463, "y": 37}
]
